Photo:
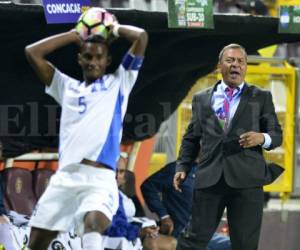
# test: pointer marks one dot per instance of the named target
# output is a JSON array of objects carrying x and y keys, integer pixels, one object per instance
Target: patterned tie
[{"x": 226, "y": 105}]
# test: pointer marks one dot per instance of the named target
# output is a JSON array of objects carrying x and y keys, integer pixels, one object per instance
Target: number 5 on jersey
[{"x": 82, "y": 104}]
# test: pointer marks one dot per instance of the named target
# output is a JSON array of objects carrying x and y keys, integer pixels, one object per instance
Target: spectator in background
[
  {"x": 126, "y": 182},
  {"x": 172, "y": 207},
  {"x": 253, "y": 7},
  {"x": 123, "y": 224},
  {"x": 110, "y": 3},
  {"x": 226, "y": 6},
  {"x": 5, "y": 236}
]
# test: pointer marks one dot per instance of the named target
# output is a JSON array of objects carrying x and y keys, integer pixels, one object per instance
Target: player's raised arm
[
  {"x": 137, "y": 36},
  {"x": 37, "y": 52}
]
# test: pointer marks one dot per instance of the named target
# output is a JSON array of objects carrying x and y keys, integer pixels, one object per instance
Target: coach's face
[
  {"x": 93, "y": 60},
  {"x": 233, "y": 66}
]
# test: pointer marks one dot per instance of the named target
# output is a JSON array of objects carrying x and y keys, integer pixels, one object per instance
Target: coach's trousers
[{"x": 244, "y": 214}]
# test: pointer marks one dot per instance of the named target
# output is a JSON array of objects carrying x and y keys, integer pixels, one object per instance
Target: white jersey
[{"x": 92, "y": 116}]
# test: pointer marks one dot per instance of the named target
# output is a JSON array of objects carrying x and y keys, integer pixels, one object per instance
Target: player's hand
[
  {"x": 77, "y": 38},
  {"x": 111, "y": 36},
  {"x": 3, "y": 219},
  {"x": 166, "y": 226},
  {"x": 179, "y": 177},
  {"x": 110, "y": 22},
  {"x": 110, "y": 19},
  {"x": 251, "y": 139},
  {"x": 151, "y": 232}
]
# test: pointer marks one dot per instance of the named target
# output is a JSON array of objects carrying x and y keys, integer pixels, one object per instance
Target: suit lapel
[
  {"x": 240, "y": 109},
  {"x": 210, "y": 92}
]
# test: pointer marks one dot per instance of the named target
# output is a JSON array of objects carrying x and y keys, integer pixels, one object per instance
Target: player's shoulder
[{"x": 63, "y": 76}]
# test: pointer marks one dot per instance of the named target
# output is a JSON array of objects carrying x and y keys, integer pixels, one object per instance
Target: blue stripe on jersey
[
  {"x": 111, "y": 149},
  {"x": 132, "y": 62},
  {"x": 100, "y": 83}
]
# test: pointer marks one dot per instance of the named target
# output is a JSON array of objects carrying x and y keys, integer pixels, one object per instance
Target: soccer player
[{"x": 84, "y": 193}]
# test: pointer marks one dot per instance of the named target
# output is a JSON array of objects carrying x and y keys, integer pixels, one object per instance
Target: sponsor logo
[{"x": 63, "y": 8}]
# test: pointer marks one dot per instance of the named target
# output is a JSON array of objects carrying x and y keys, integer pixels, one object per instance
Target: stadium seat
[
  {"x": 19, "y": 192},
  {"x": 41, "y": 177},
  {"x": 6, "y": 204},
  {"x": 2, "y": 187}
]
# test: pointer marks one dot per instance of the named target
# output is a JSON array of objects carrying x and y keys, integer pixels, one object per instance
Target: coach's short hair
[{"x": 232, "y": 46}]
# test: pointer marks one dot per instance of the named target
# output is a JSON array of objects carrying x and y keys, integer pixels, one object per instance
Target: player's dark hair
[{"x": 96, "y": 39}]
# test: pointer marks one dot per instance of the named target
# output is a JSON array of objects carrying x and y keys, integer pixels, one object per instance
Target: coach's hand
[
  {"x": 251, "y": 139},
  {"x": 179, "y": 177}
]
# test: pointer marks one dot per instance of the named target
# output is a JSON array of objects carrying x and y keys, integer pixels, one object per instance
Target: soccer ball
[{"x": 94, "y": 21}]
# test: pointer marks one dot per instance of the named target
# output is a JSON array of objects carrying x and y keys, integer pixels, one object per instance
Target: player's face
[
  {"x": 93, "y": 60},
  {"x": 233, "y": 66}
]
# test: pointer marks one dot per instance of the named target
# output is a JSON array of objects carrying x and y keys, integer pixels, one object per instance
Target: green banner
[
  {"x": 289, "y": 21},
  {"x": 190, "y": 14}
]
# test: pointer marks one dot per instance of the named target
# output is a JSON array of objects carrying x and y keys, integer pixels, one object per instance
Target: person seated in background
[
  {"x": 5, "y": 236},
  {"x": 125, "y": 225},
  {"x": 173, "y": 207},
  {"x": 126, "y": 183}
]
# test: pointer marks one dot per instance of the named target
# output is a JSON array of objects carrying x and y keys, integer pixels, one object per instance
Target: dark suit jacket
[{"x": 220, "y": 151}]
